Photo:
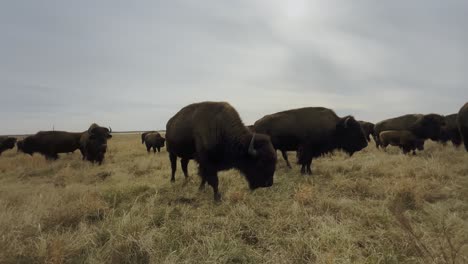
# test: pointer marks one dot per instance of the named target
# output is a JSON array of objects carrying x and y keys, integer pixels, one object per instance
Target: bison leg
[
  {"x": 148, "y": 148},
  {"x": 159, "y": 149},
  {"x": 184, "y": 163},
  {"x": 309, "y": 170},
  {"x": 285, "y": 157},
  {"x": 212, "y": 179},
  {"x": 154, "y": 150},
  {"x": 173, "y": 159},
  {"x": 202, "y": 184}
]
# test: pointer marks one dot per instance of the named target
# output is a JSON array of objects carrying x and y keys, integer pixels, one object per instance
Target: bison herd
[{"x": 212, "y": 133}]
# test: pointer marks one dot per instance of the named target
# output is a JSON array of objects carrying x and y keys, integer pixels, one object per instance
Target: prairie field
[{"x": 373, "y": 207}]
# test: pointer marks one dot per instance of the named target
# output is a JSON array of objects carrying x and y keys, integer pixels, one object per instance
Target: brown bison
[
  {"x": 462, "y": 120},
  {"x": 312, "y": 131},
  {"x": 428, "y": 126},
  {"x": 143, "y": 135},
  {"x": 50, "y": 143},
  {"x": 93, "y": 143},
  {"x": 155, "y": 141},
  {"x": 368, "y": 129},
  {"x": 403, "y": 139},
  {"x": 213, "y": 134},
  {"x": 450, "y": 131},
  {"x": 6, "y": 143}
]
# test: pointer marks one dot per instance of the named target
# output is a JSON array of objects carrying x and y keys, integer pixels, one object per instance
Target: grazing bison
[
  {"x": 6, "y": 143},
  {"x": 368, "y": 129},
  {"x": 93, "y": 143},
  {"x": 428, "y": 126},
  {"x": 462, "y": 120},
  {"x": 311, "y": 131},
  {"x": 143, "y": 135},
  {"x": 155, "y": 141},
  {"x": 213, "y": 134},
  {"x": 50, "y": 143},
  {"x": 403, "y": 139},
  {"x": 450, "y": 131}
]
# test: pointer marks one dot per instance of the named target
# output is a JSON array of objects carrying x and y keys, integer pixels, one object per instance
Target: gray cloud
[{"x": 133, "y": 65}]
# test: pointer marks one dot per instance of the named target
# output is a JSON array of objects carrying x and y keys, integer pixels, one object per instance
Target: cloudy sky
[{"x": 132, "y": 65}]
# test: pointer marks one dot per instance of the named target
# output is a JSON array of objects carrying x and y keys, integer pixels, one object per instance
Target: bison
[
  {"x": 143, "y": 135},
  {"x": 6, "y": 143},
  {"x": 155, "y": 141},
  {"x": 93, "y": 143},
  {"x": 368, "y": 129},
  {"x": 404, "y": 139},
  {"x": 213, "y": 134},
  {"x": 50, "y": 143},
  {"x": 450, "y": 131},
  {"x": 462, "y": 121},
  {"x": 312, "y": 131},
  {"x": 428, "y": 126}
]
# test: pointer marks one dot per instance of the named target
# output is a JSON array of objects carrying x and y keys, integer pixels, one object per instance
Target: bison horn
[
  {"x": 252, "y": 150},
  {"x": 346, "y": 121},
  {"x": 90, "y": 130},
  {"x": 110, "y": 130}
]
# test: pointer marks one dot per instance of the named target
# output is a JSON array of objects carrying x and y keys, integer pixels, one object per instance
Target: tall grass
[{"x": 375, "y": 207}]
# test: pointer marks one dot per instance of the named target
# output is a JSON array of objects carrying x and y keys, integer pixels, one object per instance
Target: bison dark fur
[
  {"x": 462, "y": 121},
  {"x": 213, "y": 134},
  {"x": 312, "y": 131},
  {"x": 143, "y": 135},
  {"x": 450, "y": 131},
  {"x": 368, "y": 129},
  {"x": 6, "y": 143},
  {"x": 155, "y": 141},
  {"x": 50, "y": 143},
  {"x": 404, "y": 139},
  {"x": 93, "y": 143},
  {"x": 428, "y": 126}
]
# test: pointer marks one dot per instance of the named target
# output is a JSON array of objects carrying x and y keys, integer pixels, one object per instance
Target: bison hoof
[
  {"x": 172, "y": 180},
  {"x": 217, "y": 197}
]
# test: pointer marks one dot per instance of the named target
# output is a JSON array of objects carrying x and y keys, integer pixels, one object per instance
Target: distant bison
[
  {"x": 143, "y": 135},
  {"x": 422, "y": 126},
  {"x": 6, "y": 143},
  {"x": 463, "y": 124},
  {"x": 213, "y": 134},
  {"x": 155, "y": 141},
  {"x": 50, "y": 143},
  {"x": 368, "y": 129},
  {"x": 450, "y": 131},
  {"x": 404, "y": 139},
  {"x": 312, "y": 131},
  {"x": 93, "y": 143}
]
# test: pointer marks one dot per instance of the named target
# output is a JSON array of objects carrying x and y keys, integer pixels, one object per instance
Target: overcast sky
[{"x": 132, "y": 65}]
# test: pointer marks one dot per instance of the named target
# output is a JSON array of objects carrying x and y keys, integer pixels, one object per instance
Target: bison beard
[
  {"x": 311, "y": 131},
  {"x": 213, "y": 134}
]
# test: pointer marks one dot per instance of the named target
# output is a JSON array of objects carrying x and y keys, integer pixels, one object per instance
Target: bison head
[
  {"x": 100, "y": 134},
  {"x": 25, "y": 146},
  {"x": 429, "y": 126},
  {"x": 350, "y": 135},
  {"x": 9, "y": 143},
  {"x": 161, "y": 141},
  {"x": 260, "y": 161}
]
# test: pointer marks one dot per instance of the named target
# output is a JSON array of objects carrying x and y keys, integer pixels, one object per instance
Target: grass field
[{"x": 375, "y": 207}]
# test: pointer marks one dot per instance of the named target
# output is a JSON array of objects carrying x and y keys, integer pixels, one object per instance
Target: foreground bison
[
  {"x": 422, "y": 126},
  {"x": 451, "y": 131},
  {"x": 403, "y": 139},
  {"x": 154, "y": 140},
  {"x": 93, "y": 143},
  {"x": 213, "y": 134},
  {"x": 463, "y": 124},
  {"x": 368, "y": 129},
  {"x": 311, "y": 131},
  {"x": 6, "y": 143},
  {"x": 50, "y": 143}
]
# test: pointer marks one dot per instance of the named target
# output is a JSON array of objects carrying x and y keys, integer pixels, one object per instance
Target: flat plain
[{"x": 373, "y": 207}]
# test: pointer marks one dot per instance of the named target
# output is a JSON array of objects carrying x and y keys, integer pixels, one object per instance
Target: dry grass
[{"x": 375, "y": 207}]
